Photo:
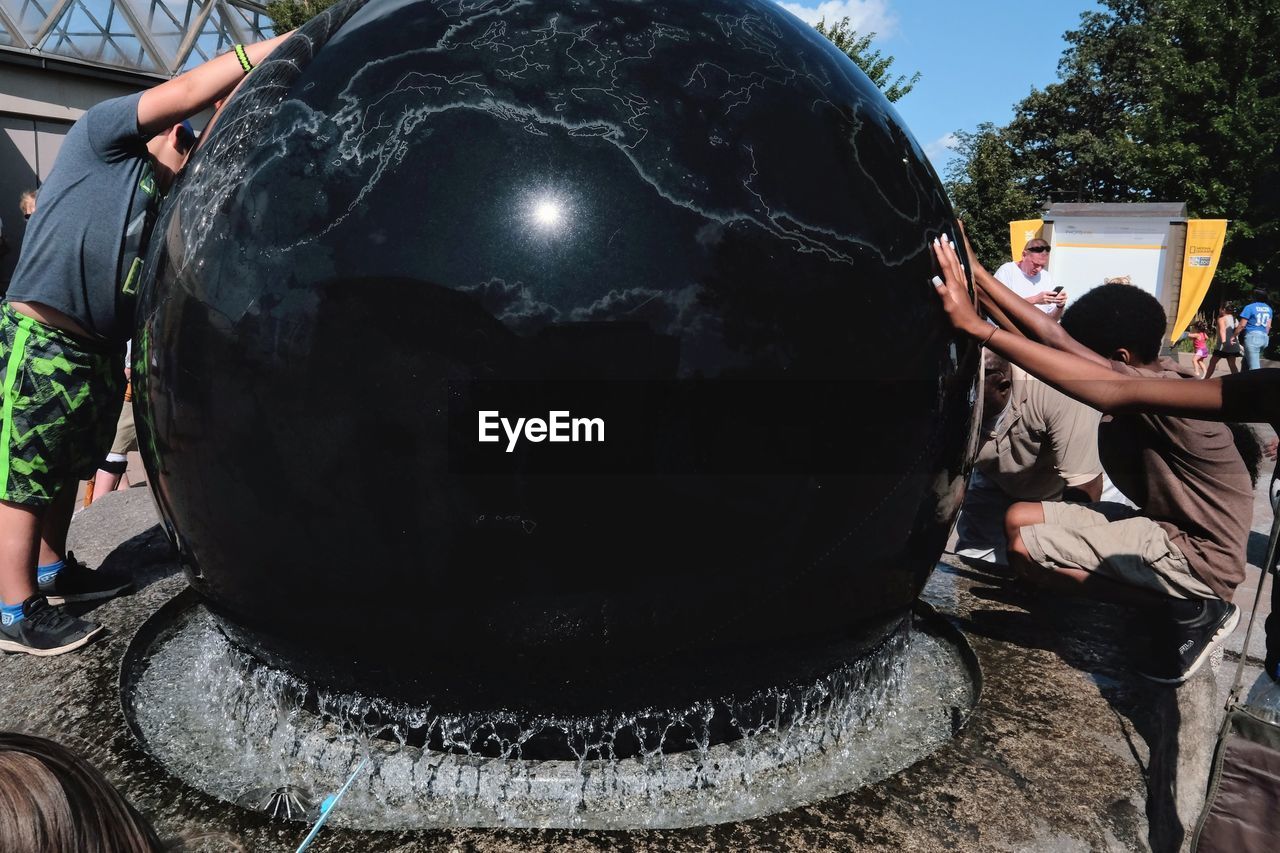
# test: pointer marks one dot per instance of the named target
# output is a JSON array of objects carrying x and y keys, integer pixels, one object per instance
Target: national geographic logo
[{"x": 1199, "y": 256}]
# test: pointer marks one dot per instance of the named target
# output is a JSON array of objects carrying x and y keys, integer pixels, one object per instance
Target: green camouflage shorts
[{"x": 60, "y": 399}]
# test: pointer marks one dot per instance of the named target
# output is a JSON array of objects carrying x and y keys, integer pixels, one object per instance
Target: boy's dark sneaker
[
  {"x": 1194, "y": 631},
  {"x": 46, "y": 630},
  {"x": 77, "y": 582}
]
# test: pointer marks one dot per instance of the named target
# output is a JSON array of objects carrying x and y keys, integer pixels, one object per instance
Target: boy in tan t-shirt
[{"x": 1037, "y": 444}]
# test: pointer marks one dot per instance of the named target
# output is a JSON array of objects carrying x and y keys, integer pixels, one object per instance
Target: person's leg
[
  {"x": 1233, "y": 362},
  {"x": 63, "y": 416},
  {"x": 62, "y": 578},
  {"x": 1065, "y": 579},
  {"x": 31, "y": 409},
  {"x": 105, "y": 481},
  {"x": 19, "y": 542},
  {"x": 56, "y": 522},
  {"x": 28, "y": 622},
  {"x": 111, "y": 472},
  {"x": 1253, "y": 345},
  {"x": 1129, "y": 559},
  {"x": 1020, "y": 515},
  {"x": 40, "y": 385},
  {"x": 1213, "y": 363}
]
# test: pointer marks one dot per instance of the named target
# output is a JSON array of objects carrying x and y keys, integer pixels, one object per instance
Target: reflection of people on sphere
[
  {"x": 66, "y": 317},
  {"x": 1181, "y": 556},
  {"x": 1228, "y": 347},
  {"x": 1029, "y": 278},
  {"x": 53, "y": 800},
  {"x": 1257, "y": 329},
  {"x": 1037, "y": 445}
]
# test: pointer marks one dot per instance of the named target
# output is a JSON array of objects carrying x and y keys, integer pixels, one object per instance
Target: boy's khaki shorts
[{"x": 1111, "y": 540}]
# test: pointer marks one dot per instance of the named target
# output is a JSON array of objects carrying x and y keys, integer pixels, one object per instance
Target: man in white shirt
[{"x": 1030, "y": 279}]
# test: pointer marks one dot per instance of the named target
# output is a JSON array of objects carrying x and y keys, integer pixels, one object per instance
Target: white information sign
[{"x": 1088, "y": 250}]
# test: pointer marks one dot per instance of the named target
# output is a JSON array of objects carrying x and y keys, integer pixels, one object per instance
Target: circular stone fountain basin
[{"x": 246, "y": 733}]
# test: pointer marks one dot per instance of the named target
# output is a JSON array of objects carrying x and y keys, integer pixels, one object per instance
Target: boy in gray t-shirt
[{"x": 66, "y": 317}]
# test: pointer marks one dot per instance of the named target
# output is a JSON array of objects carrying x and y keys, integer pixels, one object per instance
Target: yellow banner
[
  {"x": 1204, "y": 246},
  {"x": 1020, "y": 233}
]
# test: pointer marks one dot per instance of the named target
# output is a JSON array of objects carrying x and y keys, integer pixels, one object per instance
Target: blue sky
[{"x": 976, "y": 60}]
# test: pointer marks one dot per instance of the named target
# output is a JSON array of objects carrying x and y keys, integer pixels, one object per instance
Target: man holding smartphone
[{"x": 1030, "y": 279}]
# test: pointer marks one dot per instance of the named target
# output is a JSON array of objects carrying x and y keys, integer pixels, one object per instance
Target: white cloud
[
  {"x": 938, "y": 148},
  {"x": 865, "y": 16}
]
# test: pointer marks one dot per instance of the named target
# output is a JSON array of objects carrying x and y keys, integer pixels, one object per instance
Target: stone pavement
[
  {"x": 1246, "y": 592},
  {"x": 1066, "y": 749}
]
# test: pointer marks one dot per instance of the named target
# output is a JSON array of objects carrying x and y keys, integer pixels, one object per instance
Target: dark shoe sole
[
  {"x": 97, "y": 595},
  {"x": 1215, "y": 642},
  {"x": 8, "y": 645}
]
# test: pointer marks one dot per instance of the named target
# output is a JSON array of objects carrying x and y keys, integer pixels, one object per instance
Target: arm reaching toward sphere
[
  {"x": 1055, "y": 357},
  {"x": 1028, "y": 320},
  {"x": 187, "y": 94}
]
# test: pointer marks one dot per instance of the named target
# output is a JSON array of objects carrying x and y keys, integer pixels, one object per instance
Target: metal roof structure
[{"x": 158, "y": 38}]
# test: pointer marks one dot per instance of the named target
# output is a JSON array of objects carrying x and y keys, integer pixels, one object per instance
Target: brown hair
[{"x": 52, "y": 801}]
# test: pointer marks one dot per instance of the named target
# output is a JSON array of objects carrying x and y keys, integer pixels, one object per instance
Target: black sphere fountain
[{"x": 531, "y": 383}]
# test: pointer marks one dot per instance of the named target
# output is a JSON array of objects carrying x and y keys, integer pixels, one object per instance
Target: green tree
[
  {"x": 1157, "y": 100},
  {"x": 1212, "y": 132},
  {"x": 290, "y": 14},
  {"x": 874, "y": 64},
  {"x": 1074, "y": 140},
  {"x": 986, "y": 187}
]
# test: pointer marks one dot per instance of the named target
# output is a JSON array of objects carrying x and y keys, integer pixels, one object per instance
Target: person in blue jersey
[
  {"x": 63, "y": 326},
  {"x": 1256, "y": 333}
]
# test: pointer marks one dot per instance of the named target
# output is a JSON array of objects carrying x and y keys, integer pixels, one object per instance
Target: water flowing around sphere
[{"x": 693, "y": 222}]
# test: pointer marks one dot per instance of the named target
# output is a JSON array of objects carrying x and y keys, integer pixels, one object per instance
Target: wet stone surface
[{"x": 1067, "y": 750}]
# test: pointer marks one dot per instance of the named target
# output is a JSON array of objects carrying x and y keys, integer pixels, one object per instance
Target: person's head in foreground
[
  {"x": 1120, "y": 322},
  {"x": 169, "y": 151},
  {"x": 53, "y": 801}
]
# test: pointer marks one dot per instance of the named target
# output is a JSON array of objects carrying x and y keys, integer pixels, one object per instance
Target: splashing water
[{"x": 239, "y": 730}]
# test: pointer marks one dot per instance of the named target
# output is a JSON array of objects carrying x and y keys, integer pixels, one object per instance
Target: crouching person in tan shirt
[{"x": 1037, "y": 444}]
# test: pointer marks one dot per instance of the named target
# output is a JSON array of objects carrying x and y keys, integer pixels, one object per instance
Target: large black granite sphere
[{"x": 694, "y": 225}]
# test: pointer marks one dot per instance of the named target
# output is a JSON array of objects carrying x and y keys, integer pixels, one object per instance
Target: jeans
[{"x": 1254, "y": 344}]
